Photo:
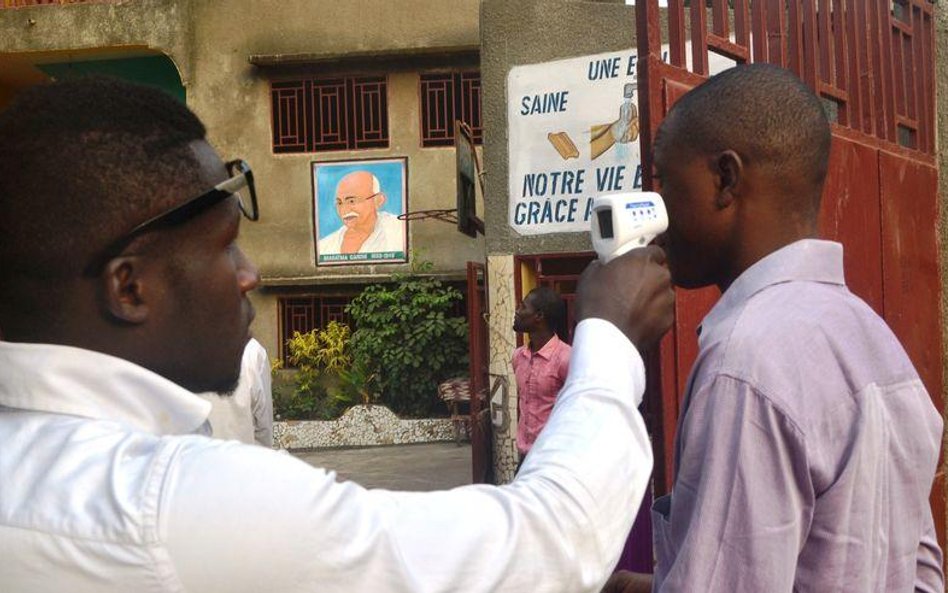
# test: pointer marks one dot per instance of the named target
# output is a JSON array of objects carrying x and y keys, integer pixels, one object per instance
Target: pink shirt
[{"x": 540, "y": 375}]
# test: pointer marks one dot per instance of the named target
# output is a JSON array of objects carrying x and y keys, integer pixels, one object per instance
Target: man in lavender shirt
[{"x": 807, "y": 445}]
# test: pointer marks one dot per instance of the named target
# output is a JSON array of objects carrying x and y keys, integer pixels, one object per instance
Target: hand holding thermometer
[{"x": 622, "y": 222}]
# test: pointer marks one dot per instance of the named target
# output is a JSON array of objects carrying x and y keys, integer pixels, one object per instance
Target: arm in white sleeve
[
  {"x": 246, "y": 519},
  {"x": 261, "y": 397}
]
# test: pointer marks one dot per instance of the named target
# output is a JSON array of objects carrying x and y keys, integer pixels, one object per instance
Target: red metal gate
[
  {"x": 481, "y": 451},
  {"x": 871, "y": 62}
]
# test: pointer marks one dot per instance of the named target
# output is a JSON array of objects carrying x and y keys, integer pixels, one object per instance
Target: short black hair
[
  {"x": 547, "y": 301},
  {"x": 82, "y": 157},
  {"x": 82, "y": 161},
  {"x": 767, "y": 115}
]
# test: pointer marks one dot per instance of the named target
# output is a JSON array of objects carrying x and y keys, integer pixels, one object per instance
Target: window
[
  {"x": 306, "y": 313},
  {"x": 348, "y": 113},
  {"x": 446, "y": 97}
]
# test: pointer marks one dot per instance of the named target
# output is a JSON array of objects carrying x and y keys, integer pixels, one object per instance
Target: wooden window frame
[
  {"x": 445, "y": 97},
  {"x": 341, "y": 113}
]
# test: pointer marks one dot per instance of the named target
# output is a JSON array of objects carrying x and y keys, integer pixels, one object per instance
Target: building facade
[{"x": 305, "y": 91}]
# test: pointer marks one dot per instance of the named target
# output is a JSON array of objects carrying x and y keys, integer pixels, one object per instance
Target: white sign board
[{"x": 573, "y": 134}]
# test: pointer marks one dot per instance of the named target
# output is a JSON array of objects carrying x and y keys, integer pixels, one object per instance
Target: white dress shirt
[
  {"x": 246, "y": 415},
  {"x": 387, "y": 236},
  {"x": 104, "y": 487}
]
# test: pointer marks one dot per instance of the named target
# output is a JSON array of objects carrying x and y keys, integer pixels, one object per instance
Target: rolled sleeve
[{"x": 246, "y": 519}]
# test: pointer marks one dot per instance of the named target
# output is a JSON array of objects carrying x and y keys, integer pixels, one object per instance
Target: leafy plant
[
  {"x": 321, "y": 351},
  {"x": 359, "y": 383},
  {"x": 408, "y": 341},
  {"x": 321, "y": 358},
  {"x": 291, "y": 405}
]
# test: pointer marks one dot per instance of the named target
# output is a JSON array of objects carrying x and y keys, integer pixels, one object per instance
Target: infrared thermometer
[{"x": 622, "y": 222}]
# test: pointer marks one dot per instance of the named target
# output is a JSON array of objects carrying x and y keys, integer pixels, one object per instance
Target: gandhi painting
[{"x": 357, "y": 205}]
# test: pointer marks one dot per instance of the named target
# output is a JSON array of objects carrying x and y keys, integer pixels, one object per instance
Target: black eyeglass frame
[{"x": 189, "y": 209}]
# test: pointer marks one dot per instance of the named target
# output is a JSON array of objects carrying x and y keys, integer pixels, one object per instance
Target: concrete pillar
[
  {"x": 501, "y": 340},
  {"x": 515, "y": 32}
]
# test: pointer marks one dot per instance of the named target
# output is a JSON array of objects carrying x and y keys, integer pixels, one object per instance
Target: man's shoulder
[
  {"x": 120, "y": 467},
  {"x": 806, "y": 347},
  {"x": 389, "y": 221},
  {"x": 794, "y": 305},
  {"x": 563, "y": 351},
  {"x": 794, "y": 319},
  {"x": 256, "y": 355}
]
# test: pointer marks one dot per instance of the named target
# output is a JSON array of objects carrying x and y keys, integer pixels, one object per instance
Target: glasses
[
  {"x": 239, "y": 184},
  {"x": 353, "y": 200}
]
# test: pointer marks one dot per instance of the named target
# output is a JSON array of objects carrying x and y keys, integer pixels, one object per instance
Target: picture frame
[{"x": 356, "y": 208}]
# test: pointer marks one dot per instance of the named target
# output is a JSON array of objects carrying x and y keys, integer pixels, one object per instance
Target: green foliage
[
  {"x": 358, "y": 383},
  {"x": 407, "y": 340},
  {"x": 291, "y": 405},
  {"x": 321, "y": 351},
  {"x": 321, "y": 358},
  {"x": 275, "y": 365}
]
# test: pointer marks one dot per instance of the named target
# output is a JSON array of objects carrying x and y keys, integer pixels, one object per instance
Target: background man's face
[
  {"x": 525, "y": 317},
  {"x": 355, "y": 207}
]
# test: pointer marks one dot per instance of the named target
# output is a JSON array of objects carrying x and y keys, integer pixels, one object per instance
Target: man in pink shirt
[{"x": 542, "y": 365}]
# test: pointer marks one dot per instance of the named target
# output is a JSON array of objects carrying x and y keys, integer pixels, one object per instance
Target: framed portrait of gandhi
[{"x": 356, "y": 205}]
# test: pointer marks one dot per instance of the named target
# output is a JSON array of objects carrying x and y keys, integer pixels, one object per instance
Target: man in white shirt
[
  {"x": 136, "y": 297},
  {"x": 366, "y": 228},
  {"x": 246, "y": 415}
]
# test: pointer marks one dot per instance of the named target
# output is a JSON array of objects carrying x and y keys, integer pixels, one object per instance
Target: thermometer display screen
[{"x": 605, "y": 223}]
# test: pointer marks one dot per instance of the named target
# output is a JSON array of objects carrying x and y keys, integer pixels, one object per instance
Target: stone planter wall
[{"x": 361, "y": 426}]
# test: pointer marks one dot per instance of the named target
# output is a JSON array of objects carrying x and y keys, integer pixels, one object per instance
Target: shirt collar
[
  {"x": 546, "y": 352},
  {"x": 77, "y": 382},
  {"x": 810, "y": 260}
]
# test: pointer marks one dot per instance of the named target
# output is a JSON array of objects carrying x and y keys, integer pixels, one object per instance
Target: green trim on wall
[{"x": 154, "y": 71}]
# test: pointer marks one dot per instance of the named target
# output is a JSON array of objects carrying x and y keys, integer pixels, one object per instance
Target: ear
[
  {"x": 729, "y": 175},
  {"x": 123, "y": 290},
  {"x": 379, "y": 201}
]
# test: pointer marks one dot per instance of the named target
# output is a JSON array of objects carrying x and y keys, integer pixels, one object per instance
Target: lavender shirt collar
[{"x": 810, "y": 260}]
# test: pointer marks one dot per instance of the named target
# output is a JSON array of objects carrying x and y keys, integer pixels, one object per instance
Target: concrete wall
[
  {"x": 163, "y": 25},
  {"x": 941, "y": 140},
  {"x": 515, "y": 32}
]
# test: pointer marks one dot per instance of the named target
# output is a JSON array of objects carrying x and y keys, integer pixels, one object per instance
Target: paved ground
[{"x": 431, "y": 466}]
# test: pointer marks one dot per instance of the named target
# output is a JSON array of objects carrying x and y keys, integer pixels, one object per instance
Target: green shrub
[
  {"x": 407, "y": 339},
  {"x": 321, "y": 358},
  {"x": 358, "y": 383}
]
